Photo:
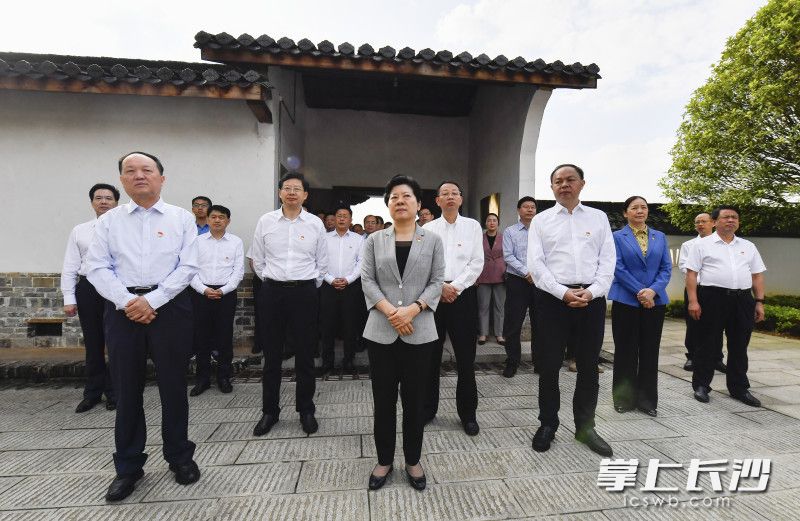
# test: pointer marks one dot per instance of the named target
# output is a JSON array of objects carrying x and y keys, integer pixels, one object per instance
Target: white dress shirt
[
  {"x": 571, "y": 248},
  {"x": 75, "y": 259},
  {"x": 686, "y": 251},
  {"x": 725, "y": 265},
  {"x": 463, "y": 250},
  {"x": 345, "y": 253},
  {"x": 133, "y": 246},
  {"x": 221, "y": 262},
  {"x": 285, "y": 249}
]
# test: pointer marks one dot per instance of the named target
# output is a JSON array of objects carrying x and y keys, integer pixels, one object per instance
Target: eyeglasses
[
  {"x": 449, "y": 194},
  {"x": 292, "y": 189},
  {"x": 199, "y": 205}
]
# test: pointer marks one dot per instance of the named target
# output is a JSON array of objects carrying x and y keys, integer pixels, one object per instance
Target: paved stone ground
[{"x": 55, "y": 464}]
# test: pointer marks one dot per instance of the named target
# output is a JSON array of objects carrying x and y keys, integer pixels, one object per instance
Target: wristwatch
[
  {"x": 418, "y": 303},
  {"x": 760, "y": 300}
]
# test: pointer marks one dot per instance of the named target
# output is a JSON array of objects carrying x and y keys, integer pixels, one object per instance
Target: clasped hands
[
  {"x": 139, "y": 310},
  {"x": 578, "y": 298},
  {"x": 647, "y": 298},
  {"x": 339, "y": 283},
  {"x": 400, "y": 318},
  {"x": 213, "y": 294}
]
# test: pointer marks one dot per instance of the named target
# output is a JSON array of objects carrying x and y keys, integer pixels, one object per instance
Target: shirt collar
[
  {"x": 521, "y": 226},
  {"x": 717, "y": 238},
  {"x": 638, "y": 232},
  {"x": 159, "y": 206},
  {"x": 560, "y": 207},
  {"x": 209, "y": 237},
  {"x": 304, "y": 215}
]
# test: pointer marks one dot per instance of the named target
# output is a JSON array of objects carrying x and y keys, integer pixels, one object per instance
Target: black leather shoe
[
  {"x": 648, "y": 411},
  {"x": 472, "y": 428},
  {"x": 111, "y": 405},
  {"x": 416, "y": 483},
  {"x": 591, "y": 439},
  {"x": 701, "y": 394},
  {"x": 123, "y": 486},
  {"x": 376, "y": 482},
  {"x": 309, "y": 423},
  {"x": 185, "y": 473},
  {"x": 543, "y": 438},
  {"x": 510, "y": 370},
  {"x": 721, "y": 367},
  {"x": 199, "y": 388},
  {"x": 265, "y": 424},
  {"x": 689, "y": 365},
  {"x": 224, "y": 385},
  {"x": 86, "y": 404},
  {"x": 748, "y": 399}
]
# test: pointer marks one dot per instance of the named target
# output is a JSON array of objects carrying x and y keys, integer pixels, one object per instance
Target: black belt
[
  {"x": 289, "y": 283},
  {"x": 728, "y": 291},
  {"x": 577, "y": 286},
  {"x": 514, "y": 275},
  {"x": 213, "y": 286},
  {"x": 141, "y": 290}
]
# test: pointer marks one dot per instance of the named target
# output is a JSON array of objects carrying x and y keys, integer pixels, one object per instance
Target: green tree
[{"x": 739, "y": 142}]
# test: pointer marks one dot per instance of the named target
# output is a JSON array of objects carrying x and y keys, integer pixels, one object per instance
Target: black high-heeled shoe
[
  {"x": 416, "y": 483},
  {"x": 376, "y": 482}
]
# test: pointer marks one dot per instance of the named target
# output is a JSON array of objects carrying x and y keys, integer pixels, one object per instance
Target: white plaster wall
[
  {"x": 364, "y": 148},
  {"x": 54, "y": 146},
  {"x": 780, "y": 256},
  {"x": 498, "y": 124},
  {"x": 288, "y": 107}
]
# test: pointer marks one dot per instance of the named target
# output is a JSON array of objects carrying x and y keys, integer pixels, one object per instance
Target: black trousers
[
  {"x": 91, "y": 307},
  {"x": 637, "y": 339},
  {"x": 288, "y": 311},
  {"x": 519, "y": 300},
  {"x": 213, "y": 328},
  {"x": 167, "y": 340},
  {"x": 257, "y": 334},
  {"x": 390, "y": 366},
  {"x": 734, "y": 313},
  {"x": 692, "y": 338},
  {"x": 557, "y": 324},
  {"x": 459, "y": 320},
  {"x": 340, "y": 308}
]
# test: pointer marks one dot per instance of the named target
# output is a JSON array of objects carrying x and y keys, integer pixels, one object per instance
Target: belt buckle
[{"x": 141, "y": 290}]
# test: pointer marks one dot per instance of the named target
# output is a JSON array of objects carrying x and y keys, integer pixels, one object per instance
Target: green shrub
[
  {"x": 780, "y": 318},
  {"x": 675, "y": 309},
  {"x": 789, "y": 301}
]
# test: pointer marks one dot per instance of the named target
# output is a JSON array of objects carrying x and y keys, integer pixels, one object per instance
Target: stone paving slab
[
  {"x": 66, "y": 439},
  {"x": 487, "y": 500},
  {"x": 198, "y": 433},
  {"x": 302, "y": 449},
  {"x": 55, "y": 461},
  {"x": 349, "y": 505},
  {"x": 239, "y": 480}
]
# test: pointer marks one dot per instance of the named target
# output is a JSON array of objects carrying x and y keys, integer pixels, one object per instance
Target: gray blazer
[{"x": 422, "y": 280}]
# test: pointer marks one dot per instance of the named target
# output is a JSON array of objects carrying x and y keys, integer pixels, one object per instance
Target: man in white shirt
[
  {"x": 82, "y": 299},
  {"x": 572, "y": 257},
  {"x": 290, "y": 255},
  {"x": 221, "y": 258},
  {"x": 731, "y": 272},
  {"x": 457, "y": 313},
  {"x": 704, "y": 225},
  {"x": 341, "y": 299},
  {"x": 141, "y": 260}
]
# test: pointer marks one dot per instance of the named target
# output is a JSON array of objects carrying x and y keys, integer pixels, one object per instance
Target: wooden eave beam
[
  {"x": 253, "y": 92},
  {"x": 305, "y": 61}
]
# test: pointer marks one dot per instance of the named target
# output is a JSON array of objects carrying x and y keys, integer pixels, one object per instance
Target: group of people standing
[{"x": 419, "y": 285}]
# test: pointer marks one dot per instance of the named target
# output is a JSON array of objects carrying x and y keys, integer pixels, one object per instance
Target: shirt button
[
  {"x": 400, "y": 286},
  {"x": 399, "y": 302}
]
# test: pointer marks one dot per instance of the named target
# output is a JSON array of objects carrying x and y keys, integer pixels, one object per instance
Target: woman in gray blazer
[{"x": 401, "y": 274}]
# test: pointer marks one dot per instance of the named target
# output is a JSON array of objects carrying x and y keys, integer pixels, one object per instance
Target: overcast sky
[{"x": 652, "y": 54}]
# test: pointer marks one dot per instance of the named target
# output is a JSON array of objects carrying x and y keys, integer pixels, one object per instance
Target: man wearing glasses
[
  {"x": 457, "y": 314},
  {"x": 200, "y": 206},
  {"x": 290, "y": 255}
]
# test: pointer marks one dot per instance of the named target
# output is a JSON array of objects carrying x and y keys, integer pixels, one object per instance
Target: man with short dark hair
[
  {"x": 82, "y": 299},
  {"x": 704, "y": 225},
  {"x": 341, "y": 298},
  {"x": 519, "y": 285},
  {"x": 424, "y": 216},
  {"x": 457, "y": 313},
  {"x": 330, "y": 222},
  {"x": 200, "y": 208},
  {"x": 730, "y": 273},
  {"x": 290, "y": 255},
  {"x": 221, "y": 259},
  {"x": 370, "y": 224},
  {"x": 141, "y": 259},
  {"x": 572, "y": 257}
]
